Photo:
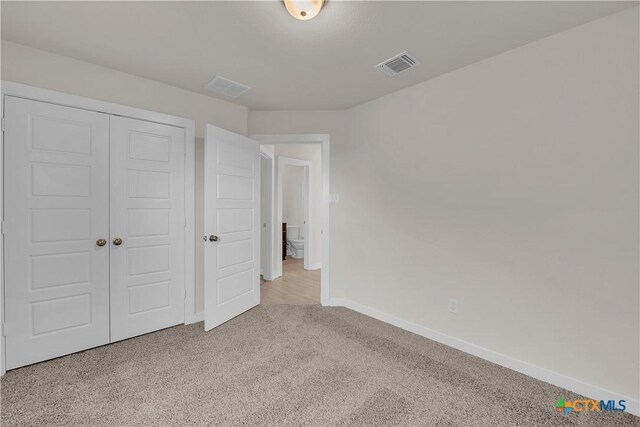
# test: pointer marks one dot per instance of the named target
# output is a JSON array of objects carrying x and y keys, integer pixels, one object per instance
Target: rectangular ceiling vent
[
  {"x": 398, "y": 64},
  {"x": 226, "y": 87}
]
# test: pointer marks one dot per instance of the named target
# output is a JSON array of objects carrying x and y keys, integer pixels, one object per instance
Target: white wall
[
  {"x": 35, "y": 67},
  {"x": 510, "y": 185},
  {"x": 312, "y": 153},
  {"x": 292, "y": 196}
]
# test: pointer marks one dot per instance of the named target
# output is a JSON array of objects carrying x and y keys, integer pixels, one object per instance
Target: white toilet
[{"x": 295, "y": 237}]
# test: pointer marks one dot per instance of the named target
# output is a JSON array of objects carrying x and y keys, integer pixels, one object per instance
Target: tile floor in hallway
[{"x": 296, "y": 286}]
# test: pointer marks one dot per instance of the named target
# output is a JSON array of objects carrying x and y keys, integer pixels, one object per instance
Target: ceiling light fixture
[{"x": 303, "y": 9}]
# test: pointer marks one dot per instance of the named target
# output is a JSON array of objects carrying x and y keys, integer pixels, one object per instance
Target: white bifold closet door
[
  {"x": 93, "y": 229},
  {"x": 232, "y": 224},
  {"x": 56, "y": 208},
  {"x": 147, "y": 215}
]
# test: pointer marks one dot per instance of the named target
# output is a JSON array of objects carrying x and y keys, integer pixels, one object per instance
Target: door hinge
[
  {"x": 185, "y": 293},
  {"x": 2, "y": 227},
  {"x": 3, "y": 124},
  {"x": 4, "y": 329}
]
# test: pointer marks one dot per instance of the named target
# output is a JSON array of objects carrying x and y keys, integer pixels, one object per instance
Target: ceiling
[{"x": 323, "y": 64}]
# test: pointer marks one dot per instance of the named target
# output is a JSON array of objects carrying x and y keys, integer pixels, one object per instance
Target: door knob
[
  {"x": 213, "y": 238},
  {"x": 117, "y": 241},
  {"x": 101, "y": 242}
]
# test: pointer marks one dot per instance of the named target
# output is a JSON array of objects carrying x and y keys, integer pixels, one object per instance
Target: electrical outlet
[{"x": 453, "y": 306}]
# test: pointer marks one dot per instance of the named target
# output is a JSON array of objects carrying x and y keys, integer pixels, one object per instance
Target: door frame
[
  {"x": 19, "y": 90},
  {"x": 308, "y": 218},
  {"x": 267, "y": 238},
  {"x": 325, "y": 141}
]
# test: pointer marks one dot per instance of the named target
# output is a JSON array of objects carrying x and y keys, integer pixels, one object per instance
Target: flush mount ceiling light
[{"x": 303, "y": 9}]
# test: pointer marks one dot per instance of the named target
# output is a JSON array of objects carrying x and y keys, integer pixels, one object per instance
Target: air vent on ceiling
[
  {"x": 398, "y": 64},
  {"x": 226, "y": 87}
]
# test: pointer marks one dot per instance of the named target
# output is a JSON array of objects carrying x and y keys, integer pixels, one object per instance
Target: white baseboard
[
  {"x": 315, "y": 266},
  {"x": 336, "y": 302},
  {"x": 542, "y": 374},
  {"x": 195, "y": 318}
]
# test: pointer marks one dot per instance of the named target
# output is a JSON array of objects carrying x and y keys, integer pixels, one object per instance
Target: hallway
[{"x": 296, "y": 286}]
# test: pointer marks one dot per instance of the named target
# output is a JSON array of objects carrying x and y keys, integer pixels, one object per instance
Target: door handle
[
  {"x": 101, "y": 242},
  {"x": 213, "y": 238},
  {"x": 117, "y": 241}
]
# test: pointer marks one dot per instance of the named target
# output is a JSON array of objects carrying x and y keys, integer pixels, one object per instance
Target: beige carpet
[{"x": 283, "y": 365}]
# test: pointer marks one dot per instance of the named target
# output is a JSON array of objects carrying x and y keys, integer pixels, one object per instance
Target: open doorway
[
  {"x": 295, "y": 175},
  {"x": 297, "y": 198},
  {"x": 296, "y": 194}
]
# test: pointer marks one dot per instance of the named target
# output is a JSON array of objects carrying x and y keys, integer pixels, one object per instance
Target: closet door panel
[
  {"x": 56, "y": 208},
  {"x": 147, "y": 215}
]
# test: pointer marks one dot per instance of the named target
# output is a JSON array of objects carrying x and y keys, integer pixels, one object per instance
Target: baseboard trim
[
  {"x": 315, "y": 266},
  {"x": 542, "y": 374},
  {"x": 336, "y": 302}
]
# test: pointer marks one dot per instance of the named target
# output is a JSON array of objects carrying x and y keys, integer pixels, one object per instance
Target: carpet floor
[{"x": 283, "y": 365}]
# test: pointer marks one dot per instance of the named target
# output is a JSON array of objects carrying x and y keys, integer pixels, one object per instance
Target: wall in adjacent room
[{"x": 292, "y": 197}]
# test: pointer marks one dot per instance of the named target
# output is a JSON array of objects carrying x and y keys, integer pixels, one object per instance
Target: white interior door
[
  {"x": 147, "y": 227},
  {"x": 56, "y": 209},
  {"x": 231, "y": 224}
]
